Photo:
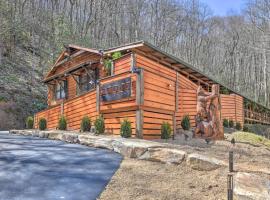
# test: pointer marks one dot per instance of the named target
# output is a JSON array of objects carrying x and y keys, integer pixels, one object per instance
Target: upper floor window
[
  {"x": 86, "y": 83},
  {"x": 61, "y": 89}
]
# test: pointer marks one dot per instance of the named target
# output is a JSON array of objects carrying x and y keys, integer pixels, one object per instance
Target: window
[
  {"x": 61, "y": 90},
  {"x": 86, "y": 83}
]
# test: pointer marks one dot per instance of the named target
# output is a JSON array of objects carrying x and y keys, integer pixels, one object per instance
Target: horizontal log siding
[
  {"x": 74, "y": 110},
  {"x": 51, "y": 115},
  {"x": 159, "y": 96},
  {"x": 113, "y": 121},
  {"x": 187, "y": 100},
  {"x": 77, "y": 108},
  {"x": 152, "y": 122},
  {"x": 232, "y": 108},
  {"x": 122, "y": 64}
]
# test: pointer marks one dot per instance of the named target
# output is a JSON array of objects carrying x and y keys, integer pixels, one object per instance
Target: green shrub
[
  {"x": 166, "y": 130},
  {"x": 226, "y": 123},
  {"x": 85, "y": 124},
  {"x": 42, "y": 124},
  {"x": 245, "y": 128},
  {"x": 62, "y": 123},
  {"x": 29, "y": 122},
  {"x": 116, "y": 55},
  {"x": 231, "y": 123},
  {"x": 185, "y": 123},
  {"x": 125, "y": 130},
  {"x": 100, "y": 126},
  {"x": 238, "y": 126}
]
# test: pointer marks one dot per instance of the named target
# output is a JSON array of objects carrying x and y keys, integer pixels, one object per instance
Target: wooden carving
[{"x": 208, "y": 118}]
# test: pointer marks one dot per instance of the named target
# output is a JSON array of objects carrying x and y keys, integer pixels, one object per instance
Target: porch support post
[
  {"x": 98, "y": 97},
  {"x": 112, "y": 69},
  {"x": 176, "y": 105},
  {"x": 139, "y": 102}
]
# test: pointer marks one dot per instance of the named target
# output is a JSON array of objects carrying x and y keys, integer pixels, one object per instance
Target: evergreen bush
[
  {"x": 185, "y": 123},
  {"x": 231, "y": 123},
  {"x": 166, "y": 130},
  {"x": 62, "y": 123},
  {"x": 245, "y": 128},
  {"x": 100, "y": 125},
  {"x": 238, "y": 126},
  {"x": 42, "y": 124},
  {"x": 29, "y": 122},
  {"x": 226, "y": 123},
  {"x": 125, "y": 130},
  {"x": 85, "y": 124}
]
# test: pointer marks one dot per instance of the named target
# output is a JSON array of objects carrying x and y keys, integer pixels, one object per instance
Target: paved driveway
[{"x": 35, "y": 168}]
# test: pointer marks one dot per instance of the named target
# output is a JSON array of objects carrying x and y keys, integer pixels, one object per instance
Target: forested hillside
[{"x": 233, "y": 49}]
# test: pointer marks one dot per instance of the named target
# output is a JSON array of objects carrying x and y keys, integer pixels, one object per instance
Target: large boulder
[
  {"x": 54, "y": 135},
  {"x": 164, "y": 155},
  {"x": 105, "y": 143},
  {"x": 204, "y": 163},
  {"x": 42, "y": 134},
  {"x": 70, "y": 137},
  {"x": 88, "y": 140},
  {"x": 133, "y": 148},
  {"x": 249, "y": 186},
  {"x": 14, "y": 131}
]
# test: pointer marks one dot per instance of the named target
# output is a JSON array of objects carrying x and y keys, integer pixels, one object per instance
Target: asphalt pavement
[{"x": 39, "y": 169}]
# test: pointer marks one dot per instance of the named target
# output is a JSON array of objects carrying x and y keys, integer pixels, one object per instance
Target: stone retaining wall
[{"x": 132, "y": 148}]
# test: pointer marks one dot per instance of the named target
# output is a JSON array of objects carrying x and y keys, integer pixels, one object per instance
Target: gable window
[{"x": 61, "y": 90}]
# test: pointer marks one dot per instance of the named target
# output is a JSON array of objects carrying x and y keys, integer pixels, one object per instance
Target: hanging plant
[{"x": 109, "y": 62}]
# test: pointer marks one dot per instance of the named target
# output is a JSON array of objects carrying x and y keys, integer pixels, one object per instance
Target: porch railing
[{"x": 256, "y": 117}]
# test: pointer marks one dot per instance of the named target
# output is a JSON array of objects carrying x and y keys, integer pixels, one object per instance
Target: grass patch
[{"x": 250, "y": 138}]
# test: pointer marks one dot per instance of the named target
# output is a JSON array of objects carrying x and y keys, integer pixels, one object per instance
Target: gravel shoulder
[{"x": 139, "y": 180}]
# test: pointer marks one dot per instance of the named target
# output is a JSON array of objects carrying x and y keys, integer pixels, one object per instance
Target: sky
[{"x": 223, "y": 7}]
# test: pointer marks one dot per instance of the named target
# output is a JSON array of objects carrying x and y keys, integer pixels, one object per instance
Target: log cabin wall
[
  {"x": 159, "y": 100},
  {"x": 159, "y": 94},
  {"x": 187, "y": 100},
  {"x": 114, "y": 112},
  {"x": 51, "y": 115},
  {"x": 74, "y": 110},
  {"x": 232, "y": 108}
]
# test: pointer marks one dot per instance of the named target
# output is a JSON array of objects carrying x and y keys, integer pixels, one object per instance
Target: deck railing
[{"x": 256, "y": 117}]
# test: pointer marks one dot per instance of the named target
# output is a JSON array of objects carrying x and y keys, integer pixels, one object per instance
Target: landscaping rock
[
  {"x": 105, "y": 143},
  {"x": 54, "y": 135},
  {"x": 164, "y": 155},
  {"x": 88, "y": 140},
  {"x": 204, "y": 163},
  {"x": 70, "y": 137},
  {"x": 250, "y": 186},
  {"x": 14, "y": 131},
  {"x": 133, "y": 148},
  {"x": 42, "y": 134}
]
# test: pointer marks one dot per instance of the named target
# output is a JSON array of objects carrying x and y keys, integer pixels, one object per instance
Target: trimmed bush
[
  {"x": 166, "y": 130},
  {"x": 231, "y": 123},
  {"x": 245, "y": 128},
  {"x": 226, "y": 123},
  {"x": 42, "y": 124},
  {"x": 100, "y": 126},
  {"x": 86, "y": 124},
  {"x": 125, "y": 130},
  {"x": 62, "y": 123},
  {"x": 29, "y": 122},
  {"x": 238, "y": 126},
  {"x": 185, "y": 123}
]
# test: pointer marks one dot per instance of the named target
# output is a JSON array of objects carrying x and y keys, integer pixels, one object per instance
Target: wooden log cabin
[{"x": 145, "y": 85}]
